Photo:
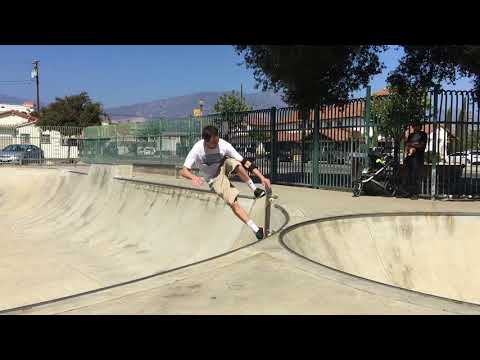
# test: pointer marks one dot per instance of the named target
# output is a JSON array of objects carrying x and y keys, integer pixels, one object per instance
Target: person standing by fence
[{"x": 415, "y": 150}]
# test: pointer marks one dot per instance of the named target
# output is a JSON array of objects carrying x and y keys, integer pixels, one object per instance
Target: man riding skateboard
[{"x": 218, "y": 160}]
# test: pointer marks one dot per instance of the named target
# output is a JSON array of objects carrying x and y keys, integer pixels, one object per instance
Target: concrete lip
[{"x": 425, "y": 253}]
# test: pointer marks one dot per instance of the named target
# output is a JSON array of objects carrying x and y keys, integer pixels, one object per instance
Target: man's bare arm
[
  {"x": 186, "y": 173},
  {"x": 265, "y": 182}
]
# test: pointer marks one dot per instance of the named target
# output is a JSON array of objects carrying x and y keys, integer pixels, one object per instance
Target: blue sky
[{"x": 123, "y": 75}]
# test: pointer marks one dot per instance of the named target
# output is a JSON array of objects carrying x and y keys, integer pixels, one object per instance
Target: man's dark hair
[{"x": 208, "y": 132}]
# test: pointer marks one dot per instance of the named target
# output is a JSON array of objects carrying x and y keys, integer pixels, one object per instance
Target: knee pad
[{"x": 249, "y": 165}]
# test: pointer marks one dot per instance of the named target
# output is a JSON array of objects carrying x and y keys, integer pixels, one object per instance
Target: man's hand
[
  {"x": 197, "y": 181},
  {"x": 266, "y": 183}
]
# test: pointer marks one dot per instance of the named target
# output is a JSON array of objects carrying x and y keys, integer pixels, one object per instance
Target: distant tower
[{"x": 199, "y": 111}]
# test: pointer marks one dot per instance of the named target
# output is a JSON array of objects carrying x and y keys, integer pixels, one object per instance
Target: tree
[
  {"x": 463, "y": 138},
  {"x": 150, "y": 129},
  {"x": 393, "y": 114},
  {"x": 230, "y": 103},
  {"x": 69, "y": 112},
  {"x": 76, "y": 110},
  {"x": 232, "y": 109},
  {"x": 312, "y": 75},
  {"x": 429, "y": 66}
]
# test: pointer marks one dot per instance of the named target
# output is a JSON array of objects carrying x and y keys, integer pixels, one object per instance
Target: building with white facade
[
  {"x": 20, "y": 128},
  {"x": 26, "y": 107}
]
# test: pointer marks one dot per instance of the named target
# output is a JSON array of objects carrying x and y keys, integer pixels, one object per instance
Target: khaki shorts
[{"x": 221, "y": 185}]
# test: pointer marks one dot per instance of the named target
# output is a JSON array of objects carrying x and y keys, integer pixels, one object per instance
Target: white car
[
  {"x": 149, "y": 151},
  {"x": 464, "y": 157}
]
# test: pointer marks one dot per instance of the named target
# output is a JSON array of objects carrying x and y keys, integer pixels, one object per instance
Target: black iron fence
[{"x": 325, "y": 147}]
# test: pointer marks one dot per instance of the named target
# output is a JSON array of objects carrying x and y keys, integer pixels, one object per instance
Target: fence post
[
  {"x": 273, "y": 137},
  {"x": 433, "y": 190},
  {"x": 367, "y": 120},
  {"x": 316, "y": 148}
]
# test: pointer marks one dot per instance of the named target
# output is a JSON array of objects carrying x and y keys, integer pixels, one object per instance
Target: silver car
[{"x": 464, "y": 158}]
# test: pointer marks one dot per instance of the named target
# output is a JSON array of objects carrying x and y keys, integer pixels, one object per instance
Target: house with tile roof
[{"x": 18, "y": 127}]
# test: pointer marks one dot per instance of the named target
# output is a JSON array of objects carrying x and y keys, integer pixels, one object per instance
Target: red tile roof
[
  {"x": 354, "y": 109},
  {"x": 337, "y": 135},
  {"x": 30, "y": 118},
  {"x": 383, "y": 92}
]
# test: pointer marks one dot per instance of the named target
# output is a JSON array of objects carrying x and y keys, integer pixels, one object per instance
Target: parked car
[
  {"x": 147, "y": 150},
  {"x": 464, "y": 157},
  {"x": 21, "y": 154}
]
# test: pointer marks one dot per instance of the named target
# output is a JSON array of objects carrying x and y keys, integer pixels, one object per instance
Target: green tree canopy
[
  {"x": 231, "y": 103},
  {"x": 392, "y": 114},
  {"x": 312, "y": 75},
  {"x": 429, "y": 66},
  {"x": 73, "y": 111}
]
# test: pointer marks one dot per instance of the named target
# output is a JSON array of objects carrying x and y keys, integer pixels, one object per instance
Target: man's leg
[
  {"x": 242, "y": 215},
  {"x": 239, "y": 170},
  {"x": 418, "y": 175},
  {"x": 414, "y": 178},
  {"x": 409, "y": 176},
  {"x": 240, "y": 212},
  {"x": 223, "y": 188}
]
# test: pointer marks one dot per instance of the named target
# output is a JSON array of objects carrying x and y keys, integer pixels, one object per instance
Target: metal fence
[
  {"x": 325, "y": 147},
  {"x": 161, "y": 141},
  {"x": 33, "y": 144}
]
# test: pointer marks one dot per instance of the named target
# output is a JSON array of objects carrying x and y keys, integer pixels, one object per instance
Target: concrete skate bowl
[
  {"x": 65, "y": 233},
  {"x": 430, "y": 253}
]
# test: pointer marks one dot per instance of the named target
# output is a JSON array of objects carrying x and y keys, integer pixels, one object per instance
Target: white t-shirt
[{"x": 209, "y": 160}]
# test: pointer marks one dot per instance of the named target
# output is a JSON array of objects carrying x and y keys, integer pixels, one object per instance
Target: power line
[
  {"x": 3, "y": 84},
  {"x": 14, "y": 82},
  {"x": 23, "y": 80}
]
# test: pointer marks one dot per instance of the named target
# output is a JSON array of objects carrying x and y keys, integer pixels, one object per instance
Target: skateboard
[{"x": 269, "y": 198}]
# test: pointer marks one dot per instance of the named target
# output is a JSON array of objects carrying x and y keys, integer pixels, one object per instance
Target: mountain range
[
  {"x": 173, "y": 107},
  {"x": 180, "y": 106},
  {"x": 13, "y": 100}
]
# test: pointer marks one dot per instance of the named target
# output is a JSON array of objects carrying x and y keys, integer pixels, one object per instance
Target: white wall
[
  {"x": 54, "y": 150},
  {"x": 442, "y": 142},
  {"x": 170, "y": 143}
]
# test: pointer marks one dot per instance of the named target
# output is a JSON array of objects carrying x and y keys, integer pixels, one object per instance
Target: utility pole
[
  {"x": 35, "y": 74},
  {"x": 241, "y": 92}
]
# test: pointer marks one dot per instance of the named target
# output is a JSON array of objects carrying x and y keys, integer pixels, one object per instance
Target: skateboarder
[{"x": 218, "y": 160}]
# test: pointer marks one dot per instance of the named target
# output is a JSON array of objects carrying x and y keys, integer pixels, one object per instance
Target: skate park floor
[{"x": 71, "y": 231}]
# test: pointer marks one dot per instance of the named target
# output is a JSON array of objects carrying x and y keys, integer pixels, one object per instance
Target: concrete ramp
[
  {"x": 64, "y": 233},
  {"x": 432, "y": 253}
]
